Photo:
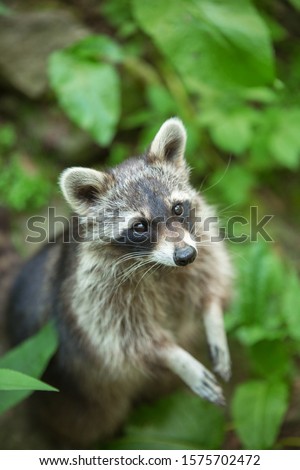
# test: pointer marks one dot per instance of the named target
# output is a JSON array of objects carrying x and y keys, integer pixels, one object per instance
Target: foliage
[
  {"x": 216, "y": 35},
  {"x": 87, "y": 85},
  {"x": 181, "y": 421},
  {"x": 13, "y": 380},
  {"x": 20, "y": 367},
  {"x": 265, "y": 319},
  {"x": 231, "y": 71},
  {"x": 258, "y": 409},
  {"x": 20, "y": 187},
  {"x": 212, "y": 63}
]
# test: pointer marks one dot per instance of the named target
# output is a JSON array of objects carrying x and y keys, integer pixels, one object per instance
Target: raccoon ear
[
  {"x": 169, "y": 143},
  {"x": 83, "y": 187}
]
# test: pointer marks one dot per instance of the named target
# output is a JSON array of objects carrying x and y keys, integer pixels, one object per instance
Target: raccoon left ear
[
  {"x": 169, "y": 143},
  {"x": 84, "y": 187}
]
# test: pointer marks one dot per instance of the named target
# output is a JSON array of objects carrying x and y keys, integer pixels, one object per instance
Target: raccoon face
[{"x": 144, "y": 207}]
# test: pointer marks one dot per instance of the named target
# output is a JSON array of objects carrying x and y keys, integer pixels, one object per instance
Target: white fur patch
[
  {"x": 189, "y": 241},
  {"x": 193, "y": 373},
  {"x": 180, "y": 196},
  {"x": 164, "y": 253},
  {"x": 216, "y": 337}
]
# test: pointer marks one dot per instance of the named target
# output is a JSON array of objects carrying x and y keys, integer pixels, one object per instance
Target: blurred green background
[{"x": 89, "y": 83}]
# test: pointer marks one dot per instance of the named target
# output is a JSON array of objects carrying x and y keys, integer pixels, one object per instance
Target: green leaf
[
  {"x": 87, "y": 85},
  {"x": 295, "y": 3},
  {"x": 291, "y": 305},
  {"x": 31, "y": 358},
  {"x": 179, "y": 421},
  {"x": 263, "y": 273},
  {"x": 233, "y": 131},
  {"x": 261, "y": 95},
  {"x": 258, "y": 409},
  {"x": 13, "y": 380},
  {"x": 212, "y": 41},
  {"x": 21, "y": 190},
  {"x": 284, "y": 143},
  {"x": 7, "y": 137},
  {"x": 271, "y": 359},
  {"x": 98, "y": 48},
  {"x": 118, "y": 15},
  {"x": 249, "y": 335},
  {"x": 233, "y": 134}
]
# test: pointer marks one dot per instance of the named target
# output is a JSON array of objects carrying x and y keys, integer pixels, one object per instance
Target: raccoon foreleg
[
  {"x": 193, "y": 373},
  {"x": 216, "y": 337}
]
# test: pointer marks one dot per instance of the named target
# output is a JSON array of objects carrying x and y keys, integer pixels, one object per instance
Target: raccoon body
[{"x": 128, "y": 291}]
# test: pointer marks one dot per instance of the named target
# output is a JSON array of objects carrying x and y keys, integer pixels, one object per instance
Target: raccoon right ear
[
  {"x": 83, "y": 187},
  {"x": 169, "y": 143}
]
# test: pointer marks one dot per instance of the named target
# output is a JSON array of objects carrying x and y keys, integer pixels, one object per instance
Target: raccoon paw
[
  {"x": 221, "y": 362},
  {"x": 193, "y": 373},
  {"x": 208, "y": 388}
]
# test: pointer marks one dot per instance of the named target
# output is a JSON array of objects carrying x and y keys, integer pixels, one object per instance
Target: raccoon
[{"x": 127, "y": 292}]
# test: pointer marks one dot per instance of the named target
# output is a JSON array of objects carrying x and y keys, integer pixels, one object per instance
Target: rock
[{"x": 27, "y": 39}]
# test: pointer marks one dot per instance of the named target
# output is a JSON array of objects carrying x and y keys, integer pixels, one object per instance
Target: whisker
[
  {"x": 220, "y": 179},
  {"x": 133, "y": 268},
  {"x": 144, "y": 275}
]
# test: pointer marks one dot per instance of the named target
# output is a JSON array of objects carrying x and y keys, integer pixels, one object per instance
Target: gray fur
[{"x": 127, "y": 317}]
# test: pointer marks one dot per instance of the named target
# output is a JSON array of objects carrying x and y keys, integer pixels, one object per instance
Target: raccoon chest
[{"x": 120, "y": 329}]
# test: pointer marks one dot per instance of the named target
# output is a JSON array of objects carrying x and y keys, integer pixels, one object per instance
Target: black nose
[{"x": 184, "y": 256}]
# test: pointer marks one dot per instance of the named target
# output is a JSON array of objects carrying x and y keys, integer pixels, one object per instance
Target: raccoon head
[{"x": 144, "y": 207}]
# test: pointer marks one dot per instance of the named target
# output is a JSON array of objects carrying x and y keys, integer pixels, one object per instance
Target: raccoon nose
[{"x": 184, "y": 256}]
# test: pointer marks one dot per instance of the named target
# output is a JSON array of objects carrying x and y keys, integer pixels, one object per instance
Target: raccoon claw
[
  {"x": 209, "y": 389},
  {"x": 221, "y": 362}
]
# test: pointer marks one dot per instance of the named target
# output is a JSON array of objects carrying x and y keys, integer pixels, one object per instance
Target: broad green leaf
[
  {"x": 13, "y": 380},
  {"x": 210, "y": 41},
  {"x": 87, "y": 85},
  {"x": 258, "y": 409},
  {"x": 179, "y": 421},
  {"x": 31, "y": 358},
  {"x": 271, "y": 359}
]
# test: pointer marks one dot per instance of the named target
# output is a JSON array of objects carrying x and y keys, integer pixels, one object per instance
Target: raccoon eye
[
  {"x": 178, "y": 209},
  {"x": 140, "y": 227}
]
